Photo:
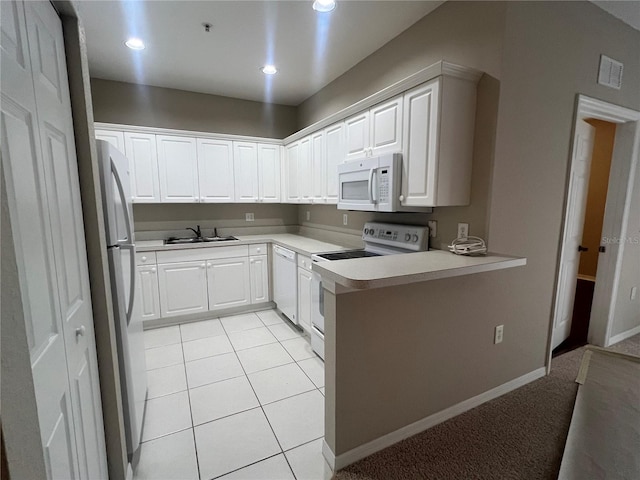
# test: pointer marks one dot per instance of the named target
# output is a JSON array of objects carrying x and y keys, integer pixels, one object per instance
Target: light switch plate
[{"x": 345, "y": 219}]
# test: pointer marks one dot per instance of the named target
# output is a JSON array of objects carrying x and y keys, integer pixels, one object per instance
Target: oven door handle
[{"x": 372, "y": 198}]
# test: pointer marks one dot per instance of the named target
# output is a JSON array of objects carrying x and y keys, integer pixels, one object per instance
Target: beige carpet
[{"x": 520, "y": 435}]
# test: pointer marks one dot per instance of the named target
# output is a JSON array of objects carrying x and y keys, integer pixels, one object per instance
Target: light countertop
[
  {"x": 391, "y": 270},
  {"x": 298, "y": 243}
]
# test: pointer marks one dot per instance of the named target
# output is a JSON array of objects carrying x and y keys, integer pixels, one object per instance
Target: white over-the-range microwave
[{"x": 372, "y": 184}]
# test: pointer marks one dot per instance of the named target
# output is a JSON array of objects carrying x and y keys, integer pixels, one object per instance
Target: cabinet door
[
  {"x": 178, "y": 165},
  {"x": 147, "y": 301},
  {"x": 215, "y": 170},
  {"x": 304, "y": 170},
  {"x": 334, "y": 155},
  {"x": 304, "y": 299},
  {"x": 318, "y": 168},
  {"x": 114, "y": 138},
  {"x": 269, "y": 173},
  {"x": 140, "y": 149},
  {"x": 386, "y": 127},
  {"x": 245, "y": 168},
  {"x": 291, "y": 177},
  {"x": 357, "y": 136},
  {"x": 228, "y": 282},
  {"x": 183, "y": 288},
  {"x": 419, "y": 164},
  {"x": 259, "y": 270}
]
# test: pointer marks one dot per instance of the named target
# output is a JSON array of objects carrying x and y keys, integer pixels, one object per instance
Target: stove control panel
[{"x": 409, "y": 237}]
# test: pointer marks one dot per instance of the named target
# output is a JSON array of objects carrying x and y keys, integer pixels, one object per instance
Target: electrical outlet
[
  {"x": 497, "y": 335},
  {"x": 249, "y": 217},
  {"x": 345, "y": 219},
  {"x": 463, "y": 230},
  {"x": 433, "y": 228},
  {"x": 634, "y": 293},
  {"x": 308, "y": 215}
]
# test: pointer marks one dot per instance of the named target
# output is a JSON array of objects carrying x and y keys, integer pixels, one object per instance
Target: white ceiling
[{"x": 309, "y": 49}]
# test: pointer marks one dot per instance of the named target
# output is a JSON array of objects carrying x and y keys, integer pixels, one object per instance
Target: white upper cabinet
[
  {"x": 375, "y": 131},
  {"x": 113, "y": 137},
  {"x": 304, "y": 170},
  {"x": 178, "y": 167},
  {"x": 334, "y": 149},
  {"x": 140, "y": 149},
  {"x": 269, "y": 173},
  {"x": 386, "y": 127},
  {"x": 245, "y": 161},
  {"x": 318, "y": 168},
  {"x": 357, "y": 135},
  {"x": 439, "y": 119},
  {"x": 215, "y": 170},
  {"x": 291, "y": 173}
]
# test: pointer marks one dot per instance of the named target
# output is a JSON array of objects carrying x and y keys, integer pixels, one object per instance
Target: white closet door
[
  {"x": 215, "y": 170},
  {"x": 38, "y": 153}
]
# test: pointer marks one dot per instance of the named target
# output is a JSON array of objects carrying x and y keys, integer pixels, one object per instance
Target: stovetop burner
[{"x": 348, "y": 254}]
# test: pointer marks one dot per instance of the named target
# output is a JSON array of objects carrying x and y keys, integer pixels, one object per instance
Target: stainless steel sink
[{"x": 177, "y": 241}]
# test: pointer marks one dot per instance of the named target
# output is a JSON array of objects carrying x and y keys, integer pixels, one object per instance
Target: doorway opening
[
  {"x": 603, "y": 138},
  {"x": 623, "y": 125}
]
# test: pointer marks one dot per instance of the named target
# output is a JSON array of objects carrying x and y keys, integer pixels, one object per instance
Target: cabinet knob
[
  {"x": 202, "y": 199},
  {"x": 154, "y": 270},
  {"x": 251, "y": 261},
  {"x": 209, "y": 265},
  {"x": 401, "y": 198},
  {"x": 144, "y": 259},
  {"x": 80, "y": 331},
  {"x": 258, "y": 250},
  {"x": 202, "y": 265}
]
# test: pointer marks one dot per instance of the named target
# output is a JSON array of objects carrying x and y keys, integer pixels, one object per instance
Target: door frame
[{"x": 621, "y": 182}]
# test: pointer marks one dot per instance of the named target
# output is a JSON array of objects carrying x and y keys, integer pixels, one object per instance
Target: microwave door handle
[{"x": 372, "y": 198}]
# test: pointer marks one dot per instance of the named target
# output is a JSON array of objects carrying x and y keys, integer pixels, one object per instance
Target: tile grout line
[
  {"x": 262, "y": 409},
  {"x": 193, "y": 428}
]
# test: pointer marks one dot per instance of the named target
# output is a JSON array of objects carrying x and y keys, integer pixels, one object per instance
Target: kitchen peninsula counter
[{"x": 392, "y": 270}]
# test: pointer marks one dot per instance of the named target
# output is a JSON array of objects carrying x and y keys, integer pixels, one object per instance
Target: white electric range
[{"x": 379, "y": 239}]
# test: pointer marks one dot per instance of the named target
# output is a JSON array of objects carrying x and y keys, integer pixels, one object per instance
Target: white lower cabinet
[
  {"x": 259, "y": 273},
  {"x": 147, "y": 301},
  {"x": 228, "y": 283},
  {"x": 183, "y": 288},
  {"x": 304, "y": 292}
]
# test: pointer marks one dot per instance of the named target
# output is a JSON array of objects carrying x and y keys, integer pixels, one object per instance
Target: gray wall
[
  {"x": 159, "y": 217},
  {"x": 142, "y": 105}
]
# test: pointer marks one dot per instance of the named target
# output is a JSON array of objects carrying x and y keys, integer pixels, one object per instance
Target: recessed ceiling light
[
  {"x": 135, "y": 44},
  {"x": 269, "y": 69},
  {"x": 324, "y": 6}
]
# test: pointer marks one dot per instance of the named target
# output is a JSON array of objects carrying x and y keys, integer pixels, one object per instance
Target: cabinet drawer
[
  {"x": 197, "y": 254},
  {"x": 146, "y": 258},
  {"x": 304, "y": 262},
  {"x": 258, "y": 249}
]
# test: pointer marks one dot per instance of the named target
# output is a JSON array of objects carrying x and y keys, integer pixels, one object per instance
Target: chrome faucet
[{"x": 198, "y": 232}]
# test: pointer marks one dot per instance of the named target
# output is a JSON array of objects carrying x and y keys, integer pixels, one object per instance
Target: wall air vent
[{"x": 610, "y": 72}]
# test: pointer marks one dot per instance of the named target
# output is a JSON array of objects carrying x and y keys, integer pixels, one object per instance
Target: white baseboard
[
  {"x": 347, "y": 458},
  {"x": 624, "y": 335}
]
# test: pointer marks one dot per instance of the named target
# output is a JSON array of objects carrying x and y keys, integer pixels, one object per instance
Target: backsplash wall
[{"x": 149, "y": 218}]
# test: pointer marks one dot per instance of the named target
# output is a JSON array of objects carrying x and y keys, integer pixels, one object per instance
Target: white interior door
[
  {"x": 38, "y": 154},
  {"x": 574, "y": 222}
]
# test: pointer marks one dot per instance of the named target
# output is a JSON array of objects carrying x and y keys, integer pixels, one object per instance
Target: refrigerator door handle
[
  {"x": 125, "y": 202},
  {"x": 132, "y": 283}
]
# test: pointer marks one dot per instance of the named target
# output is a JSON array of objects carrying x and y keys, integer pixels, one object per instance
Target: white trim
[
  {"x": 389, "y": 439},
  {"x": 129, "y": 472},
  {"x": 428, "y": 73},
  {"x": 593, "y": 108},
  {"x": 624, "y": 335},
  {"x": 183, "y": 133}
]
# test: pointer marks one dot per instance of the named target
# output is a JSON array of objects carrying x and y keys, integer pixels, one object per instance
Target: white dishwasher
[{"x": 285, "y": 281}]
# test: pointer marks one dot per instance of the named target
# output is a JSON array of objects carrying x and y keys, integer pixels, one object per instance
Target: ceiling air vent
[{"x": 610, "y": 73}]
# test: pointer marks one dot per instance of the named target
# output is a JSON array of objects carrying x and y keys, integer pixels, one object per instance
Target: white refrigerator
[{"x": 118, "y": 218}]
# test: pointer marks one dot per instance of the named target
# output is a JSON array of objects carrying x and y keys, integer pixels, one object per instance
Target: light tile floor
[{"x": 241, "y": 397}]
